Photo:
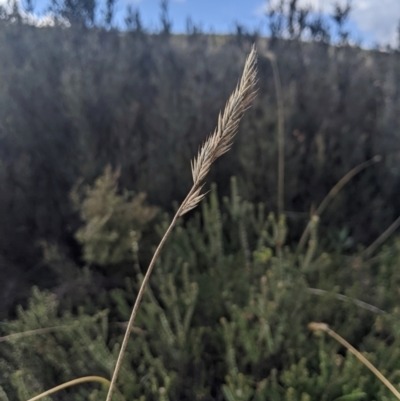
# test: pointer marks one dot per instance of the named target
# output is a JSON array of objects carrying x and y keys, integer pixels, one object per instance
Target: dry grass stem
[
  {"x": 382, "y": 238},
  {"x": 53, "y": 329},
  {"x": 71, "y": 383},
  {"x": 324, "y": 327},
  {"x": 215, "y": 146},
  {"x": 35, "y": 332},
  {"x": 344, "y": 298},
  {"x": 281, "y": 132},
  {"x": 332, "y": 193}
]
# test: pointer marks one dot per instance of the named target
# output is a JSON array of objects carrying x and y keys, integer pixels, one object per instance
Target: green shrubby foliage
[
  {"x": 31, "y": 368},
  {"x": 110, "y": 219},
  {"x": 224, "y": 318}
]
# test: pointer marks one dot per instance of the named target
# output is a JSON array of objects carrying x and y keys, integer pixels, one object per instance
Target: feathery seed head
[{"x": 228, "y": 122}]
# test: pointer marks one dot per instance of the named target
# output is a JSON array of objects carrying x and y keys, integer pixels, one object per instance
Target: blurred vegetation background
[{"x": 97, "y": 128}]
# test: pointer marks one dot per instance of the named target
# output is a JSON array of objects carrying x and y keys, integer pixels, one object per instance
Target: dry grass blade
[
  {"x": 332, "y": 193},
  {"x": 28, "y": 333},
  {"x": 316, "y": 327},
  {"x": 381, "y": 239},
  {"x": 215, "y": 146},
  {"x": 71, "y": 383},
  {"x": 45, "y": 330},
  {"x": 281, "y": 132},
  {"x": 344, "y": 298}
]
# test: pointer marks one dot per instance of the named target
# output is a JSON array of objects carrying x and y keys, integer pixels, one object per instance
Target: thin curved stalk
[
  {"x": 324, "y": 327},
  {"x": 45, "y": 330},
  {"x": 382, "y": 238},
  {"x": 215, "y": 146},
  {"x": 281, "y": 132},
  {"x": 35, "y": 332},
  {"x": 332, "y": 193},
  {"x": 137, "y": 303},
  {"x": 70, "y": 384},
  {"x": 344, "y": 298}
]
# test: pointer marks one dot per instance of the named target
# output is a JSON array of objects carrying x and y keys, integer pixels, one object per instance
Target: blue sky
[
  {"x": 373, "y": 21},
  {"x": 217, "y": 14}
]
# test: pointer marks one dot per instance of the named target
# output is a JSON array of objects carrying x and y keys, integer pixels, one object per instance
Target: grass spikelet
[{"x": 221, "y": 140}]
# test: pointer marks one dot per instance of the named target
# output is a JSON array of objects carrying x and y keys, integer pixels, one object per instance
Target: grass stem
[
  {"x": 71, "y": 383},
  {"x": 281, "y": 133},
  {"x": 332, "y": 193},
  {"x": 215, "y": 146},
  {"x": 324, "y": 327}
]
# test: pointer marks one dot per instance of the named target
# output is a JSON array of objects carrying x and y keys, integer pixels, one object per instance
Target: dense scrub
[
  {"x": 225, "y": 317},
  {"x": 75, "y": 99}
]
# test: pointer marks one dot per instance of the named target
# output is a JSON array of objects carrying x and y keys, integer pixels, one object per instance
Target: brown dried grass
[{"x": 215, "y": 146}]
